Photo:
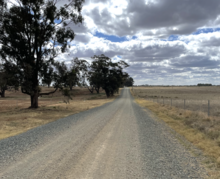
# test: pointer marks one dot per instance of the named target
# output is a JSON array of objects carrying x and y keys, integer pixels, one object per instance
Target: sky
[{"x": 165, "y": 42}]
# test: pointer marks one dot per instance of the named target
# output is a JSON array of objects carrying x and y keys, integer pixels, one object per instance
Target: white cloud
[{"x": 189, "y": 59}]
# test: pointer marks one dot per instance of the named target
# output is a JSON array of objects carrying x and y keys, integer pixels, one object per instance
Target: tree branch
[
  {"x": 48, "y": 93},
  {"x": 25, "y": 92}
]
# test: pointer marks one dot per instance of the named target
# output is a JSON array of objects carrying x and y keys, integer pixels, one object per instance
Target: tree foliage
[
  {"x": 69, "y": 77},
  {"x": 106, "y": 74},
  {"x": 204, "y": 84},
  {"x": 8, "y": 80},
  {"x": 32, "y": 34},
  {"x": 129, "y": 81},
  {"x": 47, "y": 75},
  {"x": 66, "y": 94},
  {"x": 77, "y": 73}
]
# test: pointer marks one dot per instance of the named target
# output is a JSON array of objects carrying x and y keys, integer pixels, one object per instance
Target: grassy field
[
  {"x": 195, "y": 126},
  {"x": 196, "y": 98},
  {"x": 183, "y": 92},
  {"x": 16, "y": 117}
]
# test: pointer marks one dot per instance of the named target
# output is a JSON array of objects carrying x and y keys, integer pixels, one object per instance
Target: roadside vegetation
[
  {"x": 16, "y": 117},
  {"x": 203, "y": 99},
  {"x": 36, "y": 88},
  {"x": 32, "y": 35},
  {"x": 201, "y": 130}
]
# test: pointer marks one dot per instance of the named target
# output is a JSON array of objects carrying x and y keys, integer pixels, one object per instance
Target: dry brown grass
[
  {"x": 196, "y": 98},
  {"x": 16, "y": 117},
  {"x": 183, "y": 92},
  {"x": 196, "y": 127}
]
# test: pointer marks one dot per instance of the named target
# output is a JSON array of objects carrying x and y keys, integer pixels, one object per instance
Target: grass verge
[
  {"x": 183, "y": 123},
  {"x": 15, "y": 120}
]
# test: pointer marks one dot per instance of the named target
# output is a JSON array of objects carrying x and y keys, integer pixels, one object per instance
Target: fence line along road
[{"x": 211, "y": 108}]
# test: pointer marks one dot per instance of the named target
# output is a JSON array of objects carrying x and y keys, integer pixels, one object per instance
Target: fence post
[
  {"x": 184, "y": 104},
  {"x": 208, "y": 108}
]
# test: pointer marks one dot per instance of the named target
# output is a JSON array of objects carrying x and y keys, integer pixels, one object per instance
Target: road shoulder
[{"x": 190, "y": 138}]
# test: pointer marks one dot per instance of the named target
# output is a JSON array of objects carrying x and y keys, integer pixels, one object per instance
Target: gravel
[{"x": 116, "y": 140}]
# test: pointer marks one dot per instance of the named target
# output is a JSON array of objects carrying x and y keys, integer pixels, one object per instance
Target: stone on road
[{"x": 117, "y": 140}]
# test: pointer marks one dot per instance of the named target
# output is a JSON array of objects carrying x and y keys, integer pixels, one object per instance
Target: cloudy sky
[{"x": 172, "y": 42}]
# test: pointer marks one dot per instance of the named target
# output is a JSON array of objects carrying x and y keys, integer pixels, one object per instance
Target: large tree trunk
[
  {"x": 112, "y": 93},
  {"x": 34, "y": 100},
  {"x": 2, "y": 92},
  {"x": 91, "y": 89},
  {"x": 97, "y": 90},
  {"x": 107, "y": 92}
]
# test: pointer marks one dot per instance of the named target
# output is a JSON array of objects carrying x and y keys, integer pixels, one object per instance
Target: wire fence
[{"x": 210, "y": 107}]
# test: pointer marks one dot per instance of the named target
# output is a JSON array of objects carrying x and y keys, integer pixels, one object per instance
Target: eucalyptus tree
[
  {"x": 8, "y": 79},
  {"x": 77, "y": 73},
  {"x": 47, "y": 75},
  {"x": 71, "y": 75},
  {"x": 129, "y": 81},
  {"x": 32, "y": 34},
  {"x": 60, "y": 74},
  {"x": 107, "y": 74},
  {"x": 94, "y": 78}
]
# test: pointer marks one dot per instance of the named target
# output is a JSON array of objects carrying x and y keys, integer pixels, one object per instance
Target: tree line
[
  {"x": 32, "y": 34},
  {"x": 204, "y": 84}
]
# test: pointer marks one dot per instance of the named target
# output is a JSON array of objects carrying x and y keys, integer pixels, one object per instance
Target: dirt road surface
[{"x": 118, "y": 140}]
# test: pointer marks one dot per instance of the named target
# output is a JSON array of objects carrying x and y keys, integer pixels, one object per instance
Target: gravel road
[{"x": 118, "y": 140}]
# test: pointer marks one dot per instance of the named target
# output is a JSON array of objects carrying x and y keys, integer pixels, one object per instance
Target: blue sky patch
[
  {"x": 206, "y": 30},
  {"x": 171, "y": 38},
  {"x": 57, "y": 21},
  {"x": 116, "y": 58},
  {"x": 199, "y": 31},
  {"x": 112, "y": 38},
  {"x": 134, "y": 37}
]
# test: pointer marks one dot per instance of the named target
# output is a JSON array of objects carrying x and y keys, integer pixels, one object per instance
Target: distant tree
[
  {"x": 91, "y": 88},
  {"x": 204, "y": 84},
  {"x": 60, "y": 74},
  {"x": 69, "y": 77},
  {"x": 107, "y": 74},
  {"x": 3, "y": 84},
  {"x": 47, "y": 75},
  {"x": 77, "y": 73},
  {"x": 66, "y": 94},
  {"x": 129, "y": 81},
  {"x": 8, "y": 79},
  {"x": 32, "y": 34},
  {"x": 95, "y": 81}
]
